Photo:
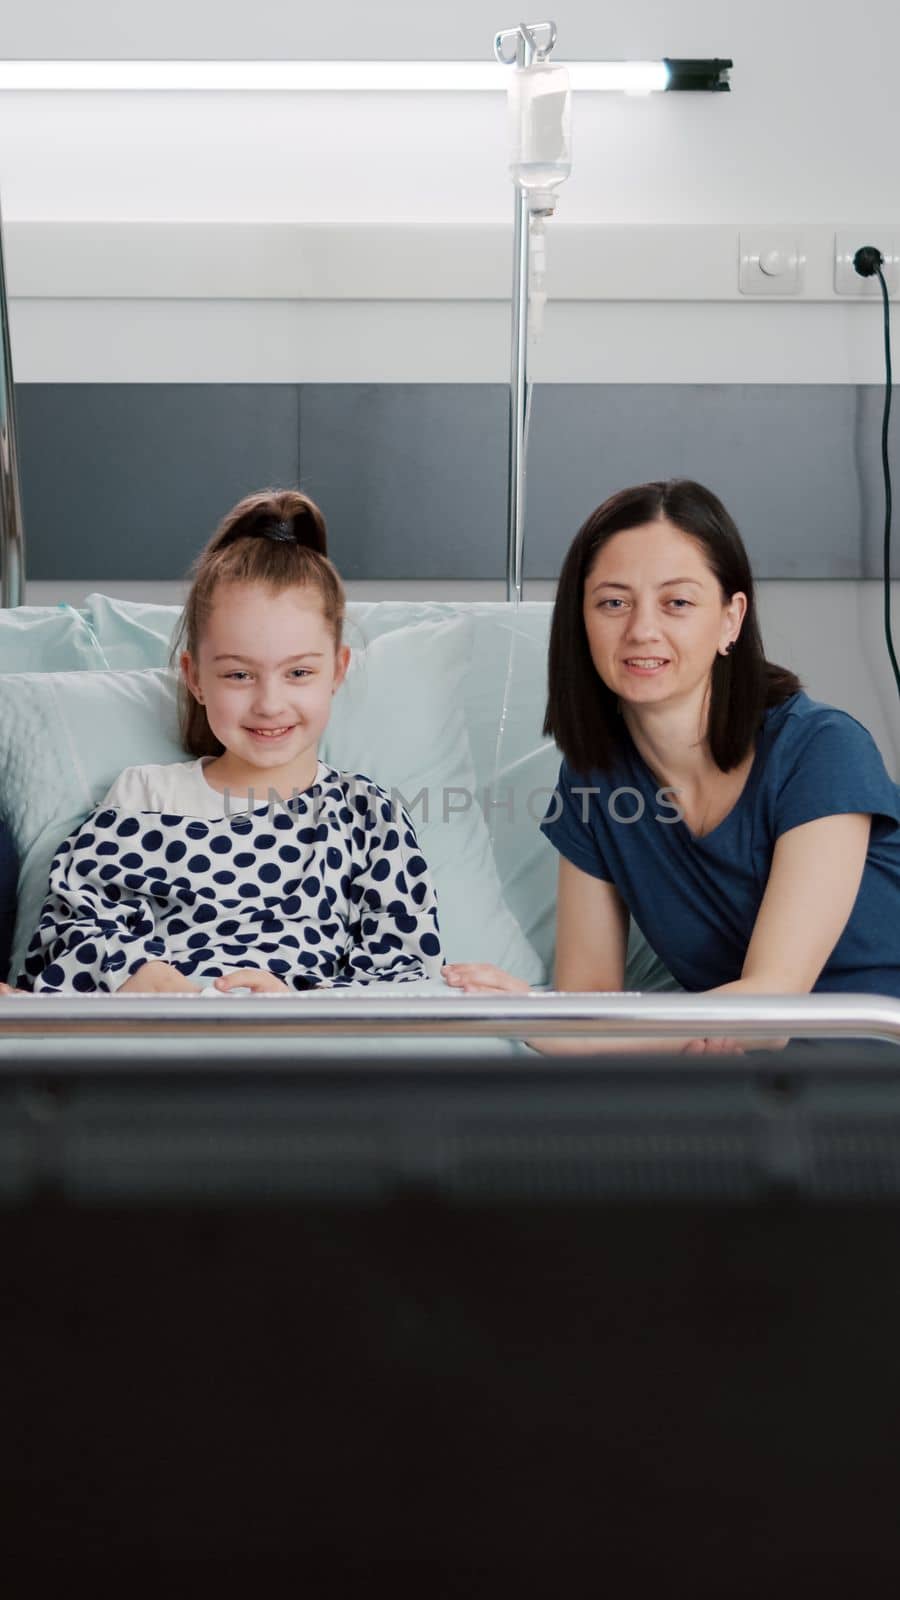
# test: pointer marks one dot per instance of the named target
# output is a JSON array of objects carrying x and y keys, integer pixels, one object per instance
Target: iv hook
[{"x": 519, "y": 46}]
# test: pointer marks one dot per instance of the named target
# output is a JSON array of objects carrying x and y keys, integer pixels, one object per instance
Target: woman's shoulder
[
  {"x": 622, "y": 769},
  {"x": 152, "y": 787},
  {"x": 799, "y": 720},
  {"x": 822, "y": 752}
]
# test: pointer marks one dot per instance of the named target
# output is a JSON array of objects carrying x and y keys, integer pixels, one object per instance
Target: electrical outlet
[{"x": 846, "y": 278}]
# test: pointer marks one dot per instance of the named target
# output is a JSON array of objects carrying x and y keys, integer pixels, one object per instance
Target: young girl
[
  {"x": 752, "y": 833},
  {"x": 252, "y": 865}
]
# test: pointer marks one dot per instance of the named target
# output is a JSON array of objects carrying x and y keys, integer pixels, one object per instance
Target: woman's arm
[
  {"x": 813, "y": 882},
  {"x": 591, "y": 944},
  {"x": 591, "y": 940},
  {"x": 591, "y": 932}
]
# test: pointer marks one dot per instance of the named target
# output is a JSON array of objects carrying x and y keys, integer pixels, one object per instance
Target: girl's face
[
  {"x": 266, "y": 670},
  {"x": 655, "y": 616}
]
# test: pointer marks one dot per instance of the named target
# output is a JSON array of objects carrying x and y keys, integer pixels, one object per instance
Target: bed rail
[
  {"x": 12, "y": 537},
  {"x": 535, "y": 1015}
]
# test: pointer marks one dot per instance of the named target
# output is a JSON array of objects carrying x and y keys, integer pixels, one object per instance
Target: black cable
[
  {"x": 868, "y": 261},
  {"x": 886, "y": 468}
]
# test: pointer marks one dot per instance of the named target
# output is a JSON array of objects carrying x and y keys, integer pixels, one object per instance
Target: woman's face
[{"x": 655, "y": 615}]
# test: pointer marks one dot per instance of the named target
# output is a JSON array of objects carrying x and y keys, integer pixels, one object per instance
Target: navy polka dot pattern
[{"x": 323, "y": 890}]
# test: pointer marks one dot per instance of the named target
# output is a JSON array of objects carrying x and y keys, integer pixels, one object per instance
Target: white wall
[
  {"x": 807, "y": 134},
  {"x": 807, "y": 137}
]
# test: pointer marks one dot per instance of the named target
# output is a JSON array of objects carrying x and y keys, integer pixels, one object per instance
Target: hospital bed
[
  {"x": 443, "y": 705},
  {"x": 361, "y": 1283}
]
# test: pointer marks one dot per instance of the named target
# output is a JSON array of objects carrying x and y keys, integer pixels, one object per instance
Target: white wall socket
[
  {"x": 846, "y": 243},
  {"x": 772, "y": 261}
]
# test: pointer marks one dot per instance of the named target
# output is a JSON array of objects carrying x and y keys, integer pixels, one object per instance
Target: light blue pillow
[
  {"x": 132, "y": 633},
  {"x": 516, "y": 766},
  {"x": 64, "y": 738},
  {"x": 503, "y": 697},
  {"x": 400, "y": 719},
  {"x": 48, "y": 639}
]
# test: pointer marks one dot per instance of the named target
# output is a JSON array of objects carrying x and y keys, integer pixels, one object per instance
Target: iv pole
[
  {"x": 12, "y": 536},
  {"x": 519, "y": 47}
]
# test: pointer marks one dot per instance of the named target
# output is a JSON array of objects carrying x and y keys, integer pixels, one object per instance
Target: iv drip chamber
[{"x": 540, "y": 131}]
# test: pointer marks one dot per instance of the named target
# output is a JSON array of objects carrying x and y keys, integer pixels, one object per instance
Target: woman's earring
[{"x": 729, "y": 648}]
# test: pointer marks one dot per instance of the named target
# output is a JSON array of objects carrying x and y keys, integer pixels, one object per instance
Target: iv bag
[{"x": 540, "y": 131}]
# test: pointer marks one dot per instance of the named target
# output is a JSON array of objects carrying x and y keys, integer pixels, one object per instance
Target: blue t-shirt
[{"x": 696, "y": 899}]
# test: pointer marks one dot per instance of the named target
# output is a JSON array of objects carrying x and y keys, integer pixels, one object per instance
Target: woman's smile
[{"x": 646, "y": 666}]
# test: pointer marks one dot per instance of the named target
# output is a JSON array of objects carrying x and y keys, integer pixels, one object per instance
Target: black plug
[{"x": 867, "y": 260}]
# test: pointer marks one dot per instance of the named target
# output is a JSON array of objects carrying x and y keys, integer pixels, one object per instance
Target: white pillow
[{"x": 398, "y": 720}]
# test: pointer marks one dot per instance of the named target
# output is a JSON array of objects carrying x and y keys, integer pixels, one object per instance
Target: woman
[{"x": 753, "y": 834}]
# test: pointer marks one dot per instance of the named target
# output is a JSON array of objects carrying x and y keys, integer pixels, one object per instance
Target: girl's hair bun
[{"x": 284, "y": 518}]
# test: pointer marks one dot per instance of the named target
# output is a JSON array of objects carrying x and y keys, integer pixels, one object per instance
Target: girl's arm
[
  {"x": 394, "y": 931},
  {"x": 94, "y": 931}
]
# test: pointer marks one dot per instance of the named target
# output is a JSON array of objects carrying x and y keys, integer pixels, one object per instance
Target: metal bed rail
[
  {"x": 12, "y": 536},
  {"x": 535, "y": 1015}
]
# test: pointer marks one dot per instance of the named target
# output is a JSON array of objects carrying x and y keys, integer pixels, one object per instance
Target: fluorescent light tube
[{"x": 629, "y": 77}]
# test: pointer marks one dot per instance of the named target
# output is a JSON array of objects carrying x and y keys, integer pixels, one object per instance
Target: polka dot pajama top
[{"x": 323, "y": 889}]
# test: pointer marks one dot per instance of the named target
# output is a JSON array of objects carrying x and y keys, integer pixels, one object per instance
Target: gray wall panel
[
  {"x": 127, "y": 481},
  {"x": 412, "y": 477},
  {"x": 797, "y": 466},
  {"x": 130, "y": 480}
]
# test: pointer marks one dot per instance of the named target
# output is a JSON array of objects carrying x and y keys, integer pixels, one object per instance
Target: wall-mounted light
[{"x": 268, "y": 77}]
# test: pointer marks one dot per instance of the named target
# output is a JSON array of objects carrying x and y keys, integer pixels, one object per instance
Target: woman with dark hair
[{"x": 752, "y": 833}]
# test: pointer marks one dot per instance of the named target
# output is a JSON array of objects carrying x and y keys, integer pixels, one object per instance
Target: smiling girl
[
  {"x": 252, "y": 865},
  {"x": 752, "y": 833}
]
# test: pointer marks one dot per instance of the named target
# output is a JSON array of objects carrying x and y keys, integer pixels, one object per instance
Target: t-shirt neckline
[
  {"x": 240, "y": 801},
  {"x": 704, "y": 838}
]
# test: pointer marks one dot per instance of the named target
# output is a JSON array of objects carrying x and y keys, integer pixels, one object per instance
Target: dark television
[{"x": 553, "y": 1328}]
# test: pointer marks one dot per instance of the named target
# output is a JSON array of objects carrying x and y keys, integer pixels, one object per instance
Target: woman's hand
[
  {"x": 479, "y": 977},
  {"x": 713, "y": 1047},
  {"x": 252, "y": 978},
  {"x": 6, "y": 988},
  {"x": 157, "y": 977}
]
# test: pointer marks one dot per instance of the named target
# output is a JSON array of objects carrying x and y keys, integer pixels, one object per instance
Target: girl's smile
[{"x": 266, "y": 671}]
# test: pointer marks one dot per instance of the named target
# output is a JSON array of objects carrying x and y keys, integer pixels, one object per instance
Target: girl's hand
[
  {"x": 479, "y": 977},
  {"x": 157, "y": 977},
  {"x": 252, "y": 978},
  {"x": 6, "y": 988}
]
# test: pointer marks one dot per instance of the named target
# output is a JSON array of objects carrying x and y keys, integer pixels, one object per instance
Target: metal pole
[
  {"x": 519, "y": 47},
  {"x": 518, "y": 380},
  {"x": 12, "y": 535},
  {"x": 75, "y": 1019}
]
